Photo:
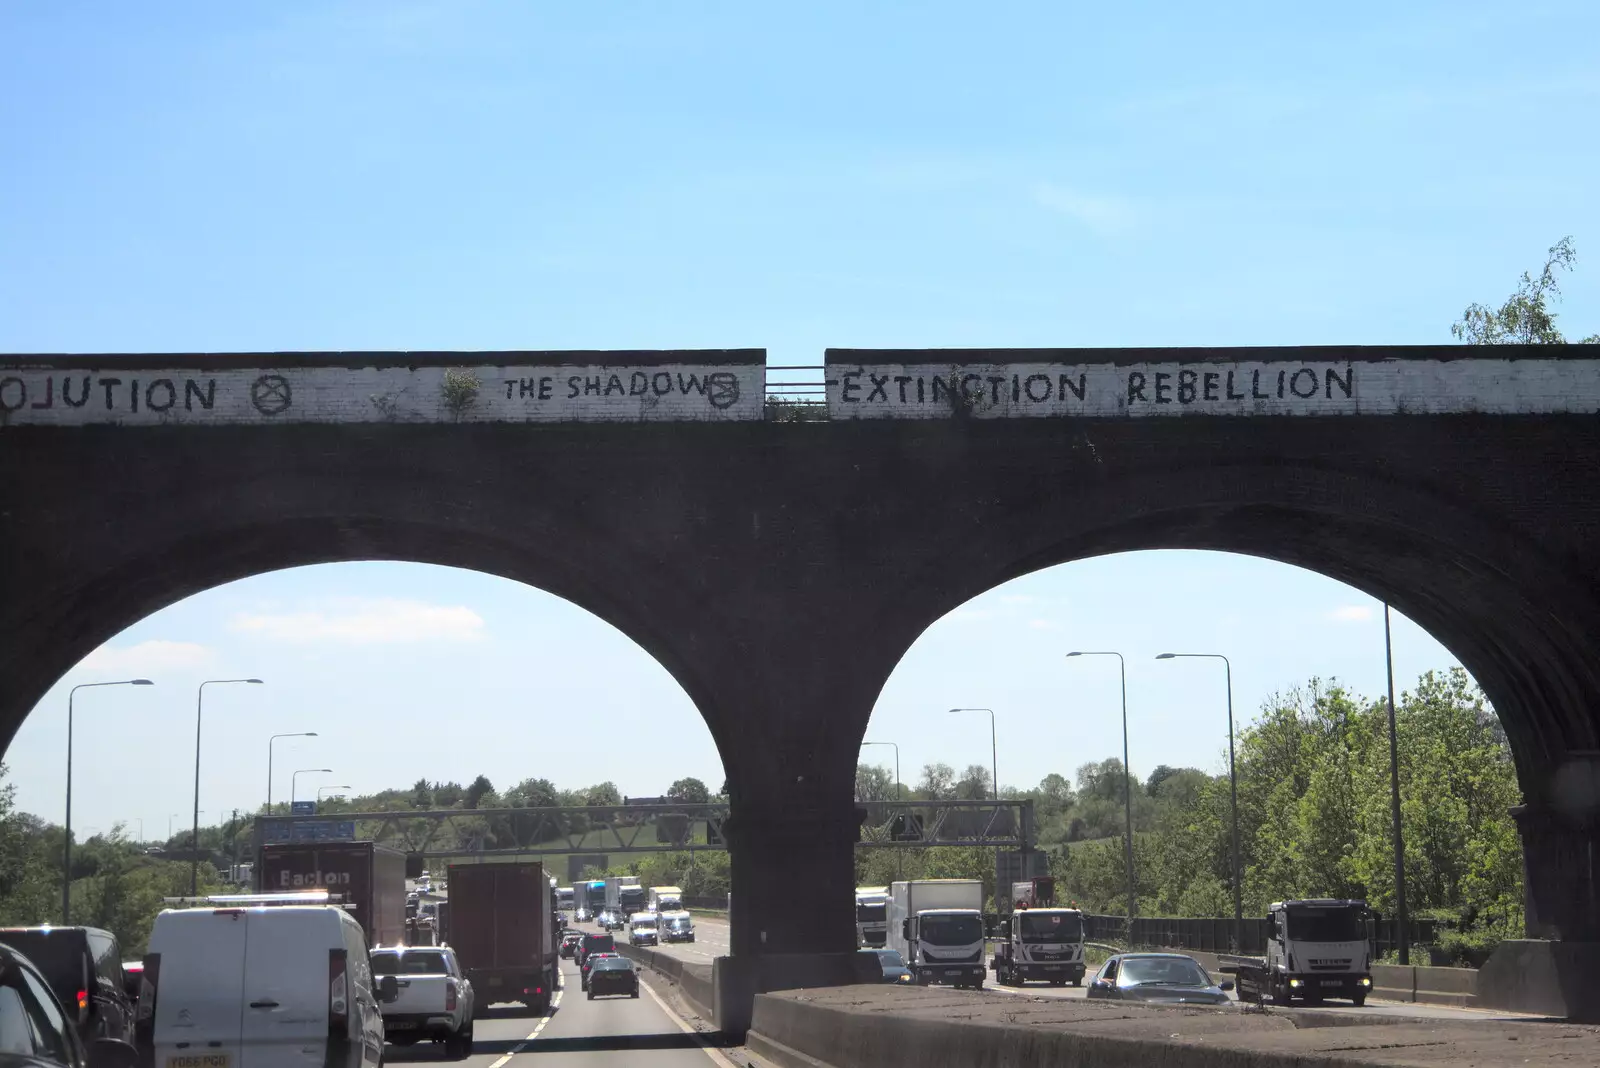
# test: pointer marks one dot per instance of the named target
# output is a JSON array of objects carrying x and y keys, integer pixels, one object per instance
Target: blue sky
[{"x": 480, "y": 175}]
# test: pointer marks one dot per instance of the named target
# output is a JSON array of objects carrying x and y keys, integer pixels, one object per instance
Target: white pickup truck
[{"x": 435, "y": 1002}]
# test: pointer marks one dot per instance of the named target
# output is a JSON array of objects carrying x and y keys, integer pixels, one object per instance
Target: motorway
[
  {"x": 711, "y": 941},
  {"x": 578, "y": 1033}
]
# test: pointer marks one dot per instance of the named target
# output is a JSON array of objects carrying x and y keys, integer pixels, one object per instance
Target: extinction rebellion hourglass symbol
[{"x": 270, "y": 394}]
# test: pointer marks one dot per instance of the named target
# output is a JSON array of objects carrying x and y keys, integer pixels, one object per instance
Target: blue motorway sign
[
  {"x": 302, "y": 808},
  {"x": 310, "y": 831}
]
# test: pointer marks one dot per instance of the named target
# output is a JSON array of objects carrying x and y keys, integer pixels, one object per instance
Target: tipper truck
[
  {"x": 936, "y": 925},
  {"x": 502, "y": 928},
  {"x": 367, "y": 879},
  {"x": 1316, "y": 948}
]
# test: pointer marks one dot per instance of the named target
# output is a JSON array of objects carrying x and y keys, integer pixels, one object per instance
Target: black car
[
  {"x": 1159, "y": 977},
  {"x": 612, "y": 974},
  {"x": 892, "y": 965},
  {"x": 83, "y": 966},
  {"x": 36, "y": 1033},
  {"x": 594, "y": 943}
]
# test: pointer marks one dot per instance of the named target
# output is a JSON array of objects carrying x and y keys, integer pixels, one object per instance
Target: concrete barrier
[
  {"x": 893, "y": 1027},
  {"x": 1550, "y": 978}
]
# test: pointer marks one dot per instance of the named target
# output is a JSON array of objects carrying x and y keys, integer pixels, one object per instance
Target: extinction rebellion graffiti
[
  {"x": 40, "y": 395},
  {"x": 1374, "y": 387}
]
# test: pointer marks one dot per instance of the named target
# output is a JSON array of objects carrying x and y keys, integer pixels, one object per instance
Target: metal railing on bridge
[
  {"x": 799, "y": 395},
  {"x": 636, "y": 828}
]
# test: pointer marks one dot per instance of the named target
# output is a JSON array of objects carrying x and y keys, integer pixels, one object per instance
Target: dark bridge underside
[{"x": 780, "y": 571}]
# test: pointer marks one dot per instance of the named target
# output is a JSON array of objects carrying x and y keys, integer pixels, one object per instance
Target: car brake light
[
  {"x": 450, "y": 996},
  {"x": 83, "y": 1000},
  {"x": 338, "y": 993}
]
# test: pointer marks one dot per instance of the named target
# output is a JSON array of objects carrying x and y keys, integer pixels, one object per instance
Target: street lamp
[
  {"x": 995, "y": 769},
  {"x": 275, "y": 737},
  {"x": 899, "y": 791},
  {"x": 1401, "y": 936},
  {"x": 900, "y": 795},
  {"x": 321, "y": 789},
  {"x": 294, "y": 782},
  {"x": 1127, "y": 793},
  {"x": 199, "y": 706},
  {"x": 66, "y": 849},
  {"x": 1233, "y": 786}
]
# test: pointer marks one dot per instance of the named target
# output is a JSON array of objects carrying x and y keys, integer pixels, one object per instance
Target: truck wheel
[
  {"x": 635, "y": 993},
  {"x": 1359, "y": 998},
  {"x": 591, "y": 995},
  {"x": 1077, "y": 980},
  {"x": 1280, "y": 992}
]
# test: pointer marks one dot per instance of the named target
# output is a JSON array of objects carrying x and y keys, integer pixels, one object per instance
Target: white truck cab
[
  {"x": 936, "y": 925},
  {"x": 872, "y": 916},
  {"x": 1041, "y": 943},
  {"x": 1317, "y": 948},
  {"x": 251, "y": 983}
]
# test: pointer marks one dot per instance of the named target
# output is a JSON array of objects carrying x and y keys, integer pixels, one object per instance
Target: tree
[
  {"x": 874, "y": 783},
  {"x": 938, "y": 782},
  {"x": 481, "y": 787},
  {"x": 975, "y": 784},
  {"x": 532, "y": 793},
  {"x": 604, "y": 795},
  {"x": 689, "y": 792},
  {"x": 1525, "y": 318},
  {"x": 421, "y": 794}
]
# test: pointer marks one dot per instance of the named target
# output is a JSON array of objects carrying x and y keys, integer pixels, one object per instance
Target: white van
[{"x": 260, "y": 986}]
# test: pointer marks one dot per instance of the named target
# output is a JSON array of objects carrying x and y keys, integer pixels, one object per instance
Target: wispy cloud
[
  {"x": 1103, "y": 214},
  {"x": 1044, "y": 624},
  {"x": 364, "y": 622},
  {"x": 1351, "y": 613},
  {"x": 147, "y": 657}
]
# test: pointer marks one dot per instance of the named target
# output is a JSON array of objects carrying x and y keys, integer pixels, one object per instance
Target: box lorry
[
  {"x": 936, "y": 925},
  {"x": 367, "y": 880},
  {"x": 1316, "y": 948},
  {"x": 504, "y": 933},
  {"x": 665, "y": 899},
  {"x": 624, "y": 895}
]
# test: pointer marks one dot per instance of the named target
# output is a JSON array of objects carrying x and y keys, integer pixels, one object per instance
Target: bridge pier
[
  {"x": 792, "y": 911},
  {"x": 1556, "y": 969}
]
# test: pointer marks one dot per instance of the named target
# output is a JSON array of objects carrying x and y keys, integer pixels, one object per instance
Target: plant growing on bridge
[{"x": 460, "y": 391}]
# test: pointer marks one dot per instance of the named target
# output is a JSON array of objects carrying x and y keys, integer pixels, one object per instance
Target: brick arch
[{"x": 62, "y": 631}]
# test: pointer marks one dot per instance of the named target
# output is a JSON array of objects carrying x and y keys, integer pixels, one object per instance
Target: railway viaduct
[{"x": 780, "y": 569}]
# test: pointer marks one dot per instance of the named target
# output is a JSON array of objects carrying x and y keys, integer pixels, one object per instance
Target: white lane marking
[
  {"x": 717, "y": 1056},
  {"x": 555, "y": 1003}
]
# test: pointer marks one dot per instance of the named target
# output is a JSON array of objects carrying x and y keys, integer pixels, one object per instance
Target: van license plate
[
  {"x": 952, "y": 971},
  {"x": 400, "y": 1025},
  {"x": 1333, "y": 982},
  {"x": 199, "y": 1060},
  {"x": 494, "y": 980}
]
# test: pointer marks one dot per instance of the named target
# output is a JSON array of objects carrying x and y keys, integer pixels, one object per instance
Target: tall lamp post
[
  {"x": 995, "y": 772},
  {"x": 1401, "y": 935},
  {"x": 294, "y": 781},
  {"x": 1127, "y": 792},
  {"x": 995, "y": 764},
  {"x": 1233, "y": 785},
  {"x": 66, "y": 849},
  {"x": 274, "y": 738},
  {"x": 899, "y": 795},
  {"x": 194, "y": 845},
  {"x": 899, "y": 792}
]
